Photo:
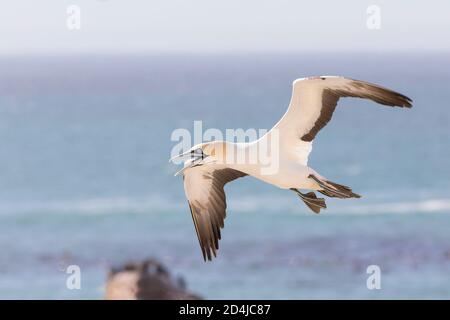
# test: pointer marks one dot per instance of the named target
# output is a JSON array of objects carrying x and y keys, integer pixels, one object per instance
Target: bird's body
[
  {"x": 280, "y": 157},
  {"x": 291, "y": 172}
]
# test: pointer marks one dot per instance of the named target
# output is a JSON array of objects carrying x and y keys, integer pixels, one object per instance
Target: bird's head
[
  {"x": 217, "y": 150},
  {"x": 203, "y": 153}
]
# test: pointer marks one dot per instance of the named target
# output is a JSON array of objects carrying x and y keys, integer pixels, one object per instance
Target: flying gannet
[{"x": 208, "y": 167}]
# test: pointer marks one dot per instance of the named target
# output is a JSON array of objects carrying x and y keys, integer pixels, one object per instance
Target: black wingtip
[
  {"x": 206, "y": 252},
  {"x": 408, "y": 102}
]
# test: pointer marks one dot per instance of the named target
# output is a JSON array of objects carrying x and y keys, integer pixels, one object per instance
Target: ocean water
[{"x": 85, "y": 178}]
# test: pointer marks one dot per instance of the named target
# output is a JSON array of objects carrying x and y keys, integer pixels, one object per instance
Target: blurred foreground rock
[{"x": 147, "y": 280}]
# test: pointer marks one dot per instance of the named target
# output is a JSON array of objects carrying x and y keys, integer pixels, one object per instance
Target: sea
[{"x": 85, "y": 178}]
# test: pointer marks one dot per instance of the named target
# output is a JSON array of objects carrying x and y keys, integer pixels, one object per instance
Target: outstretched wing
[
  {"x": 203, "y": 186},
  {"x": 314, "y": 100}
]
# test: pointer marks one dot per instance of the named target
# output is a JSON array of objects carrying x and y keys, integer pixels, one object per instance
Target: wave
[
  {"x": 421, "y": 206},
  {"x": 251, "y": 204},
  {"x": 113, "y": 205},
  {"x": 403, "y": 207}
]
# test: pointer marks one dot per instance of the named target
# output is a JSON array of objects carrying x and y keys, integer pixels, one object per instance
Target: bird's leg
[
  {"x": 311, "y": 200},
  {"x": 306, "y": 197},
  {"x": 297, "y": 192}
]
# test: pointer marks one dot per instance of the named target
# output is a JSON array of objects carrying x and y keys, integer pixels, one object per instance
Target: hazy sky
[{"x": 142, "y": 26}]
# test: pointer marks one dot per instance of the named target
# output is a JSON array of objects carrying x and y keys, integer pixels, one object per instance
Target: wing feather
[
  {"x": 204, "y": 188},
  {"x": 314, "y": 101}
]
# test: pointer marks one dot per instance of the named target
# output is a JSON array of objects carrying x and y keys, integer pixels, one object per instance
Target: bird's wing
[
  {"x": 314, "y": 100},
  {"x": 203, "y": 186}
]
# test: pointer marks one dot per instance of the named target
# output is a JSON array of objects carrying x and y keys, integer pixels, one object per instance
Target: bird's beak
[
  {"x": 194, "y": 161},
  {"x": 179, "y": 156},
  {"x": 181, "y": 171}
]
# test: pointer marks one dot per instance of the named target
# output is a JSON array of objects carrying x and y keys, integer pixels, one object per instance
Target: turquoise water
[{"x": 85, "y": 178}]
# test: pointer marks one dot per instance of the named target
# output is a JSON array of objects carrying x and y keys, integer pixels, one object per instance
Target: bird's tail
[{"x": 334, "y": 190}]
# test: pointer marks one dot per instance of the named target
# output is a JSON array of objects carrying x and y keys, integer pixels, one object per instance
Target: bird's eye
[{"x": 197, "y": 152}]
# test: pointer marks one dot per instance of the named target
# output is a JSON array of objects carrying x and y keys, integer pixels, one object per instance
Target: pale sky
[{"x": 203, "y": 26}]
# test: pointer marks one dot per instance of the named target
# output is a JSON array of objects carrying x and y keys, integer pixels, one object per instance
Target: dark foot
[{"x": 311, "y": 200}]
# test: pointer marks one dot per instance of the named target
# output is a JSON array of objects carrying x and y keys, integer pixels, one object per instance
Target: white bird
[{"x": 311, "y": 107}]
